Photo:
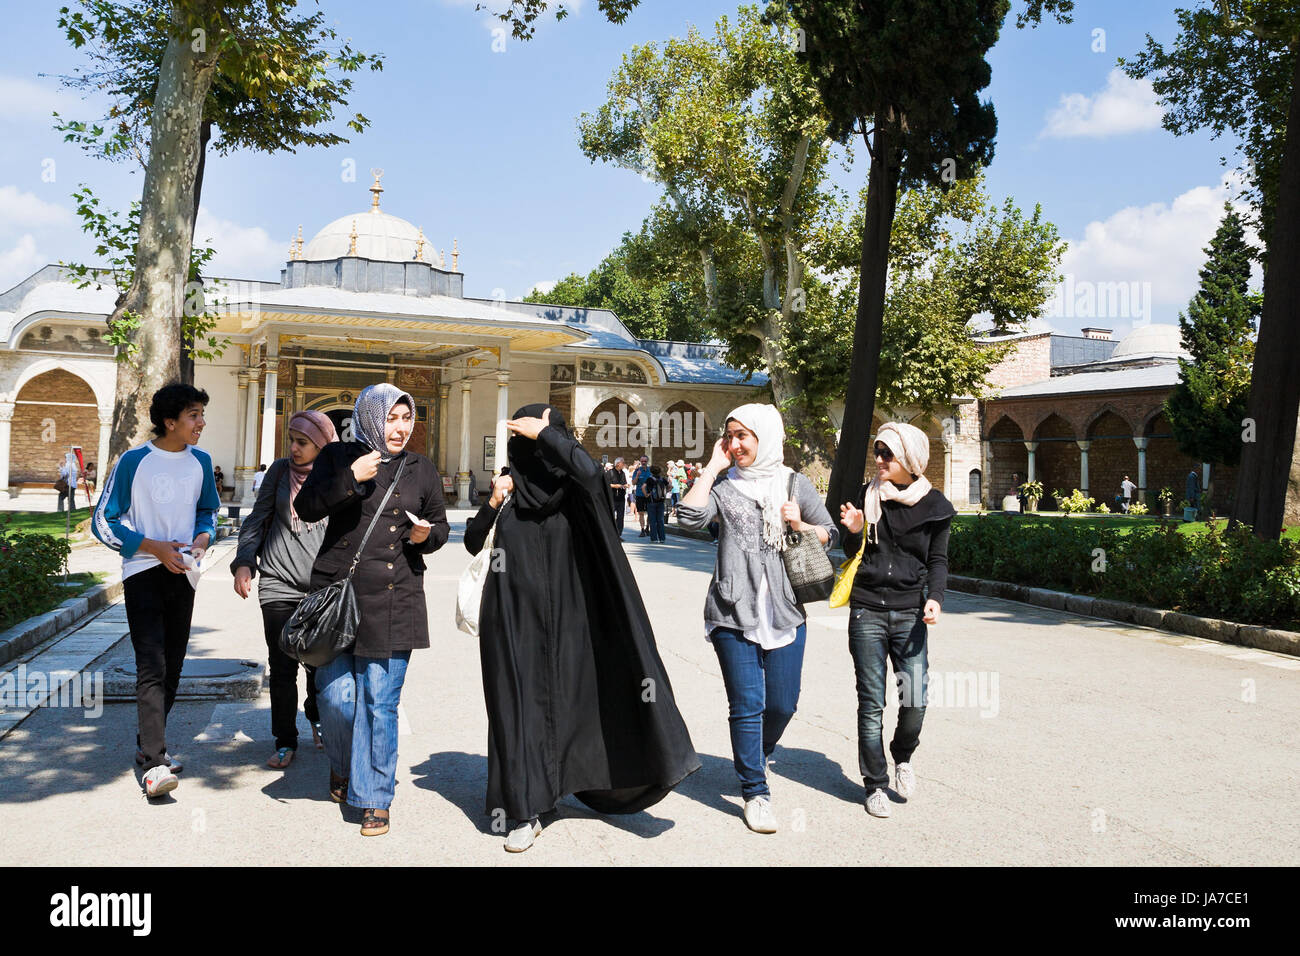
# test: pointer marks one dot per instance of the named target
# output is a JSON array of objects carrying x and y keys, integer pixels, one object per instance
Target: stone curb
[
  {"x": 24, "y": 636},
  {"x": 1226, "y": 632}
]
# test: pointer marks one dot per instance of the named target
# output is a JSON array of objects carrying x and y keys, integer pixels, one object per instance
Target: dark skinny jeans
[
  {"x": 878, "y": 637},
  {"x": 284, "y": 678}
]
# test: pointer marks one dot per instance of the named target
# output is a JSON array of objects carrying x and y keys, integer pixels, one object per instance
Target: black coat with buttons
[{"x": 389, "y": 580}]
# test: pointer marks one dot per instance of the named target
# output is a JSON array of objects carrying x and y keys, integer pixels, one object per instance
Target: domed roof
[
  {"x": 1154, "y": 340},
  {"x": 379, "y": 236}
]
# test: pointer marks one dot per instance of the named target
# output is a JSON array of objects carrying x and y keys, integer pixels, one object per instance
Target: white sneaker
[
  {"x": 522, "y": 837},
  {"x": 759, "y": 816},
  {"x": 878, "y": 803},
  {"x": 904, "y": 780},
  {"x": 158, "y": 781}
]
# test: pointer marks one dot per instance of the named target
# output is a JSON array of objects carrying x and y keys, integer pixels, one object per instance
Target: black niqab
[{"x": 539, "y": 485}]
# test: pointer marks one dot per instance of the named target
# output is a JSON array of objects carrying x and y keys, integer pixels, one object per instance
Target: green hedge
[
  {"x": 29, "y": 566},
  {"x": 1223, "y": 573}
]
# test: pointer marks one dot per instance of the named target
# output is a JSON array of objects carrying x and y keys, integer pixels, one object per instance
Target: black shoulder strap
[{"x": 401, "y": 466}]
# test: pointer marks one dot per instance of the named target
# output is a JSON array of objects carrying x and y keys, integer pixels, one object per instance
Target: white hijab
[
  {"x": 767, "y": 479},
  {"x": 911, "y": 449}
]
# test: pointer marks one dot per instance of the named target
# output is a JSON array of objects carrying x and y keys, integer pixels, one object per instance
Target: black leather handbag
[
  {"x": 324, "y": 625},
  {"x": 812, "y": 576}
]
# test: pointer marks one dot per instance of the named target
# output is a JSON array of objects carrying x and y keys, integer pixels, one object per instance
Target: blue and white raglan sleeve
[
  {"x": 209, "y": 503},
  {"x": 114, "y": 502}
]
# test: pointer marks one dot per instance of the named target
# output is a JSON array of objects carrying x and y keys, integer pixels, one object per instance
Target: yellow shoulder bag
[{"x": 848, "y": 571}]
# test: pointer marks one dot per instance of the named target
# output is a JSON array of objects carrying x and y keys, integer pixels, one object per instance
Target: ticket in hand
[{"x": 416, "y": 519}]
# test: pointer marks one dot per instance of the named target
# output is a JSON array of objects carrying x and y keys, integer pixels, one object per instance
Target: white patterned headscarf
[
  {"x": 371, "y": 413},
  {"x": 767, "y": 479}
]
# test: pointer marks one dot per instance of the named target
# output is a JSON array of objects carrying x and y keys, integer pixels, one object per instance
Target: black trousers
[
  {"x": 284, "y": 678},
  {"x": 620, "y": 508},
  {"x": 159, "y": 605}
]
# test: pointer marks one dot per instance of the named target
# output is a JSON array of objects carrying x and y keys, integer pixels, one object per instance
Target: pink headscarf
[{"x": 320, "y": 431}]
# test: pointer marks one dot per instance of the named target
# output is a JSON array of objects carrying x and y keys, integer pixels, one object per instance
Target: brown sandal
[
  {"x": 338, "y": 788},
  {"x": 372, "y": 824}
]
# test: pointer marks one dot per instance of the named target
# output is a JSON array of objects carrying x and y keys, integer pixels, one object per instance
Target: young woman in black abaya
[{"x": 577, "y": 697}]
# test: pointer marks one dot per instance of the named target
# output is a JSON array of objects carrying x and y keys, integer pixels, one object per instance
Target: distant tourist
[
  {"x": 618, "y": 484},
  {"x": 639, "y": 477},
  {"x": 906, "y": 524},
  {"x": 750, "y": 614},
  {"x": 1126, "y": 493},
  {"x": 1193, "y": 489},
  {"x": 160, "y": 537},
  {"x": 276, "y": 542},
  {"x": 221, "y": 479},
  {"x": 258, "y": 477},
  {"x": 66, "y": 483},
  {"x": 656, "y": 493}
]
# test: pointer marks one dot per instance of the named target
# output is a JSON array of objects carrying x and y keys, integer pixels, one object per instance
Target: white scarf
[{"x": 766, "y": 480}]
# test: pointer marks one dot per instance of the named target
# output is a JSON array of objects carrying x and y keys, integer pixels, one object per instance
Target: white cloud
[
  {"x": 1124, "y": 106},
  {"x": 243, "y": 252},
  {"x": 23, "y": 210},
  {"x": 17, "y": 263},
  {"x": 1139, "y": 264},
  {"x": 542, "y": 287},
  {"x": 24, "y": 99}
]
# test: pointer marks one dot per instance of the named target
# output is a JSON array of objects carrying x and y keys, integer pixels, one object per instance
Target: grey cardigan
[{"x": 743, "y": 556}]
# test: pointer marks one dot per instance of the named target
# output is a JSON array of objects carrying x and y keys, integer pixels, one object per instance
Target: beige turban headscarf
[{"x": 912, "y": 449}]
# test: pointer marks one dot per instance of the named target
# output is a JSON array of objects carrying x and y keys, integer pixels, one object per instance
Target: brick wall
[
  {"x": 42, "y": 434},
  {"x": 1030, "y": 361}
]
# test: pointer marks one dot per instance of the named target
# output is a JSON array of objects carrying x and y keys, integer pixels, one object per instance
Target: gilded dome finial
[
  {"x": 455, "y": 256},
  {"x": 376, "y": 189},
  {"x": 352, "y": 246},
  {"x": 419, "y": 247},
  {"x": 299, "y": 256}
]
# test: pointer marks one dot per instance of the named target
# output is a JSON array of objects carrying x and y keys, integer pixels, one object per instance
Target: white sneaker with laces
[
  {"x": 522, "y": 836},
  {"x": 158, "y": 781},
  {"x": 759, "y": 816},
  {"x": 904, "y": 780},
  {"x": 878, "y": 803}
]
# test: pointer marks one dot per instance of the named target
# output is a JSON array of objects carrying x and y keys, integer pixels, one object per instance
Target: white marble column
[
  {"x": 444, "y": 399},
  {"x": 105, "y": 436},
  {"x": 245, "y": 490},
  {"x": 503, "y": 416},
  {"x": 266, "y": 453},
  {"x": 6, "y": 435},
  {"x": 241, "y": 425},
  {"x": 1142, "y": 468},
  {"x": 1031, "y": 447},
  {"x": 947, "y": 466},
  {"x": 1083, "y": 465},
  {"x": 463, "y": 476}
]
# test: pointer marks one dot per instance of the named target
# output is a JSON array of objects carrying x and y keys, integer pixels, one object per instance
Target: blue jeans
[
  {"x": 898, "y": 636},
  {"x": 361, "y": 741},
  {"x": 657, "y": 532},
  {"x": 762, "y": 693}
]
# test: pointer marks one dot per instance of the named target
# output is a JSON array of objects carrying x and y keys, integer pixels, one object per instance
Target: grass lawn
[
  {"x": 37, "y": 522},
  {"x": 1121, "y": 523}
]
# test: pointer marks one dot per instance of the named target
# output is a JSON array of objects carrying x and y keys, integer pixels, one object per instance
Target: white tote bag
[{"x": 469, "y": 593}]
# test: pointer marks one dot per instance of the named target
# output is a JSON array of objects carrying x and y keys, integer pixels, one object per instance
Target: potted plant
[
  {"x": 1166, "y": 499},
  {"x": 1033, "y": 492}
]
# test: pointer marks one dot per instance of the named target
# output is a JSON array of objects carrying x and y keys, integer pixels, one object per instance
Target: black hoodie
[{"x": 910, "y": 552}]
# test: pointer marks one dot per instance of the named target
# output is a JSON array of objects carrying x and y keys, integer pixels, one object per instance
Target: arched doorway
[
  {"x": 616, "y": 429},
  {"x": 53, "y": 412}
]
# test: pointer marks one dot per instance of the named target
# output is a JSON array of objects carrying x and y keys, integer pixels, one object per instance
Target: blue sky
[{"x": 481, "y": 145}]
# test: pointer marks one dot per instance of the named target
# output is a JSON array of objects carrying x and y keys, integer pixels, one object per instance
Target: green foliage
[
  {"x": 1166, "y": 495},
  {"x": 1222, "y": 572},
  {"x": 1138, "y": 508},
  {"x": 1207, "y": 406},
  {"x": 280, "y": 78},
  {"x": 116, "y": 238},
  {"x": 1075, "y": 503},
  {"x": 1033, "y": 489},
  {"x": 1229, "y": 70},
  {"x": 521, "y": 15},
  {"x": 28, "y": 564}
]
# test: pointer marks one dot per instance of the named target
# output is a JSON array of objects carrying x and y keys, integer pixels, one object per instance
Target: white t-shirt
[
  {"x": 257, "y": 480},
  {"x": 1128, "y": 488}
]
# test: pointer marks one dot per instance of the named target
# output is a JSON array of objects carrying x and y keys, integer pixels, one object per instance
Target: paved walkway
[{"x": 1055, "y": 739}]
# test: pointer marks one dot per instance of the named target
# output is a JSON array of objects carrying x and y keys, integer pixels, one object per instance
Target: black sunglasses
[{"x": 883, "y": 453}]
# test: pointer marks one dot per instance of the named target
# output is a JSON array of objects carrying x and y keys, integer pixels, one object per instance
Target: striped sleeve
[
  {"x": 114, "y": 502},
  {"x": 209, "y": 503}
]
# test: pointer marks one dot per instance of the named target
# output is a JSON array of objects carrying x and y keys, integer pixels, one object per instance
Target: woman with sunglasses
[{"x": 906, "y": 523}]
